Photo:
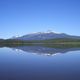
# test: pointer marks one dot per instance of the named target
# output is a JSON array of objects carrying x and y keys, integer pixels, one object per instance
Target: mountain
[{"x": 45, "y": 36}]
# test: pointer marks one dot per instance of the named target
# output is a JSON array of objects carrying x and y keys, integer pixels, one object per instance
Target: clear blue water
[{"x": 21, "y": 64}]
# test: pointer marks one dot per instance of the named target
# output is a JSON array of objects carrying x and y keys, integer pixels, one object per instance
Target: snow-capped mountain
[
  {"x": 45, "y": 36},
  {"x": 14, "y": 37}
]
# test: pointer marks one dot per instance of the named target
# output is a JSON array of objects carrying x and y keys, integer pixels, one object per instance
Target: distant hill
[
  {"x": 46, "y": 36},
  {"x": 1, "y": 40}
]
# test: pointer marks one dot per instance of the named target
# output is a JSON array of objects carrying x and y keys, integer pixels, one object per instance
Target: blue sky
[{"x": 19, "y": 17}]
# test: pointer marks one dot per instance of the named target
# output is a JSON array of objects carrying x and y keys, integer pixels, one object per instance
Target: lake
[{"x": 39, "y": 63}]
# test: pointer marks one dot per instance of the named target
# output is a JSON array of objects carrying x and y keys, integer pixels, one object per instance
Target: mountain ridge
[{"x": 45, "y": 36}]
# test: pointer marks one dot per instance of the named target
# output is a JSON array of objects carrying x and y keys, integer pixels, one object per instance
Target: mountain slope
[{"x": 46, "y": 36}]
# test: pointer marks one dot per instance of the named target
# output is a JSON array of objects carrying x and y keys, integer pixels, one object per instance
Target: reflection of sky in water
[{"x": 35, "y": 67}]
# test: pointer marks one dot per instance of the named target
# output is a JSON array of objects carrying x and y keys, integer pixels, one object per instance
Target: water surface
[{"x": 39, "y": 63}]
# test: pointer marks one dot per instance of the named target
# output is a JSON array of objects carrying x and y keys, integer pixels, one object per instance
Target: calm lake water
[{"x": 39, "y": 63}]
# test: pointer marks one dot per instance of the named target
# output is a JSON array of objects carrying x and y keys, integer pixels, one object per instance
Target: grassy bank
[{"x": 53, "y": 43}]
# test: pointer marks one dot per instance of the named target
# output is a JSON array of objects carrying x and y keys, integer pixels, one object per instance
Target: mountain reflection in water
[
  {"x": 40, "y": 50},
  {"x": 27, "y": 66}
]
